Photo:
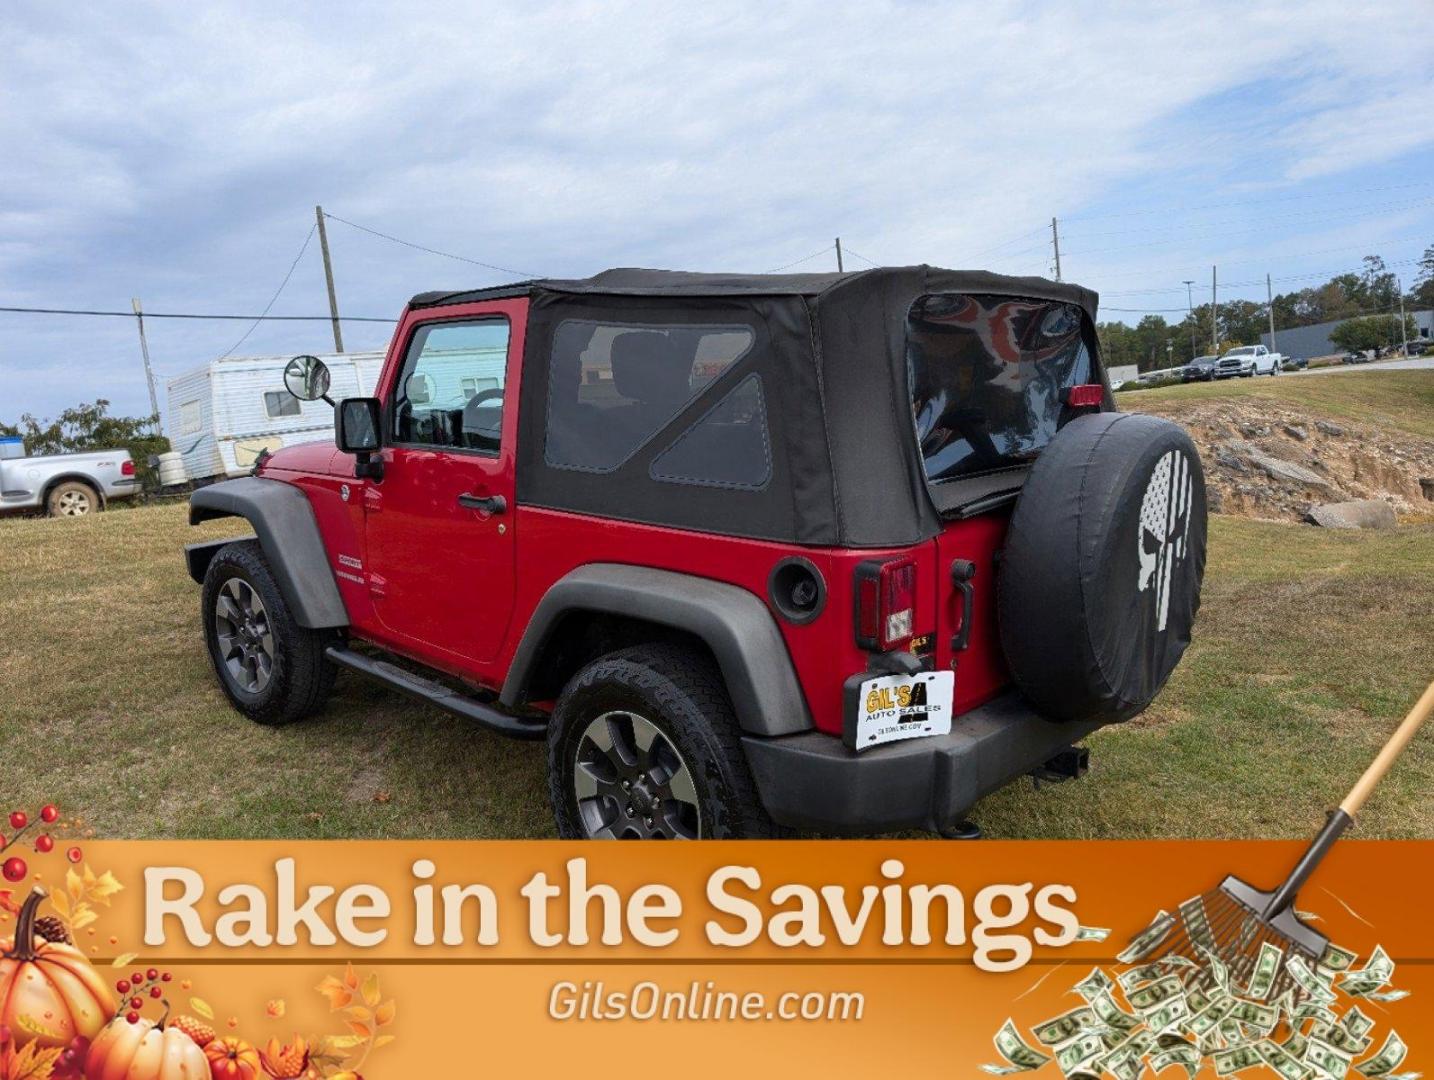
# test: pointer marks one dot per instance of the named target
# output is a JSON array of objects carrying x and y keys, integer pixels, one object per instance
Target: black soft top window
[{"x": 987, "y": 375}]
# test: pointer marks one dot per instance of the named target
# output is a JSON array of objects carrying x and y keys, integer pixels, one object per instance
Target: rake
[{"x": 1233, "y": 921}]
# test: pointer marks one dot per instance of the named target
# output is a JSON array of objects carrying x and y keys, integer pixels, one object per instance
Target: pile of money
[{"x": 1178, "y": 1010}]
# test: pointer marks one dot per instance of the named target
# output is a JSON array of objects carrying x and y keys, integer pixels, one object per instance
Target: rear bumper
[{"x": 812, "y": 781}]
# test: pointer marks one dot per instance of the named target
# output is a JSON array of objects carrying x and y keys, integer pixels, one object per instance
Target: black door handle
[
  {"x": 492, "y": 504},
  {"x": 962, "y": 571}
]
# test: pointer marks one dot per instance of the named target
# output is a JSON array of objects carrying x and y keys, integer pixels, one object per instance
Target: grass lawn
[
  {"x": 1309, "y": 647},
  {"x": 1388, "y": 400}
]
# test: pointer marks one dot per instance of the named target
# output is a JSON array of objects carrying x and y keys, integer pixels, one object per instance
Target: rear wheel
[
  {"x": 73, "y": 498},
  {"x": 272, "y": 669},
  {"x": 643, "y": 745}
]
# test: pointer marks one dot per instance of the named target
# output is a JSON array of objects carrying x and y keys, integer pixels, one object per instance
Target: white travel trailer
[{"x": 223, "y": 415}]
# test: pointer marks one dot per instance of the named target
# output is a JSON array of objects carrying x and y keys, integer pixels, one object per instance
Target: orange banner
[{"x": 402, "y": 959}]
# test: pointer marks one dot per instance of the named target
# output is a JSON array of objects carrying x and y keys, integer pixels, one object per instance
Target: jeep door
[{"x": 439, "y": 524}]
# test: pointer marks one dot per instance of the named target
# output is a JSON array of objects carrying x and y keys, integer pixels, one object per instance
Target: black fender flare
[
  {"x": 72, "y": 477},
  {"x": 733, "y": 622},
  {"x": 289, "y": 536}
]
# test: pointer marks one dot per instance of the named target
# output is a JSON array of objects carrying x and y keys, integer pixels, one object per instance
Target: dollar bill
[
  {"x": 1267, "y": 966},
  {"x": 1387, "y": 995},
  {"x": 1296, "y": 1044},
  {"x": 1217, "y": 969},
  {"x": 1072, "y": 1057},
  {"x": 1184, "y": 1055},
  {"x": 1112, "y": 1015},
  {"x": 1355, "y": 1022},
  {"x": 1208, "y": 1019},
  {"x": 1259, "y": 1016},
  {"x": 1149, "y": 939},
  {"x": 1313, "y": 1010},
  {"x": 1281, "y": 1060},
  {"x": 1168, "y": 1015},
  {"x": 1151, "y": 996},
  {"x": 1340, "y": 1038},
  {"x": 1391, "y": 1055},
  {"x": 1094, "y": 984},
  {"x": 1308, "y": 981},
  {"x": 1197, "y": 923},
  {"x": 1236, "y": 1058},
  {"x": 1092, "y": 933},
  {"x": 1064, "y": 1028},
  {"x": 1197, "y": 999},
  {"x": 1336, "y": 959},
  {"x": 1375, "y": 974},
  {"x": 1144, "y": 973},
  {"x": 1328, "y": 1059},
  {"x": 1018, "y": 1054}
]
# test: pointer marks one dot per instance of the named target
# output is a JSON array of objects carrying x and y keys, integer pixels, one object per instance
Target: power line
[
  {"x": 429, "y": 250},
  {"x": 852, "y": 251},
  {"x": 189, "y": 315},
  {"x": 255, "y": 324},
  {"x": 805, "y": 258}
]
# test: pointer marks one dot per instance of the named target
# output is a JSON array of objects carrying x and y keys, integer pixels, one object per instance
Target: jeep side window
[
  {"x": 450, "y": 391},
  {"x": 612, "y": 386}
]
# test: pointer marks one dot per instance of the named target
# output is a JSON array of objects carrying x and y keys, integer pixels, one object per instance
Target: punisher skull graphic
[{"x": 1164, "y": 528}]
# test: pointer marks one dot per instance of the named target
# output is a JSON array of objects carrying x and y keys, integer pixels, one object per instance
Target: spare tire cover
[{"x": 1100, "y": 578}]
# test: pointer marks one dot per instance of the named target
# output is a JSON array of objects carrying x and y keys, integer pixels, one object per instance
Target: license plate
[{"x": 894, "y": 707}]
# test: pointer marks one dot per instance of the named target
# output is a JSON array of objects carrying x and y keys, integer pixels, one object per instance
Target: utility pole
[
  {"x": 1403, "y": 326},
  {"x": 329, "y": 277},
  {"x": 144, "y": 352},
  {"x": 1214, "y": 314},
  {"x": 1056, "y": 243},
  {"x": 1190, "y": 308},
  {"x": 840, "y": 269},
  {"x": 1270, "y": 297}
]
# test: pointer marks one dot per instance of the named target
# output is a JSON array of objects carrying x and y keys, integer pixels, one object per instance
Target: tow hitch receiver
[{"x": 1070, "y": 764}]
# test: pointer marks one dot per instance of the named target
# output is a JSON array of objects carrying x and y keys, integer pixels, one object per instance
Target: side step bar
[{"x": 434, "y": 693}]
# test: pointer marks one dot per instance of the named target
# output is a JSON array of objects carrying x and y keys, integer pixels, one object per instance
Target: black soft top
[{"x": 830, "y": 351}]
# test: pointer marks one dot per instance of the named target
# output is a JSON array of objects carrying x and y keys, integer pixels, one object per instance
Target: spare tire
[{"x": 1100, "y": 578}]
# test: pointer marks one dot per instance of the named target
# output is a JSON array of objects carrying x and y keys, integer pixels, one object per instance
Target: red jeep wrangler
[{"x": 841, "y": 552}]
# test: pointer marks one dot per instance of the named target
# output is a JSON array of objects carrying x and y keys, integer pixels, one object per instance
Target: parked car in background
[
  {"x": 63, "y": 485},
  {"x": 1355, "y": 357},
  {"x": 1418, "y": 348},
  {"x": 1201, "y": 369},
  {"x": 1247, "y": 361},
  {"x": 1294, "y": 363}
]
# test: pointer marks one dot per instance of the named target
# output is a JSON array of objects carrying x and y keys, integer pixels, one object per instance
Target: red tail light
[
  {"x": 126, "y": 468},
  {"x": 1085, "y": 396},
  {"x": 885, "y": 605}
]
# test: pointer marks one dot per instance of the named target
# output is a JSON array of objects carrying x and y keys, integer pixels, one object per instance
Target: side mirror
[
  {"x": 307, "y": 378},
  {"x": 357, "y": 423}
]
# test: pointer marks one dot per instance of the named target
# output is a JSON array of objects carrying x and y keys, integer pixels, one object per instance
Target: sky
[{"x": 175, "y": 153}]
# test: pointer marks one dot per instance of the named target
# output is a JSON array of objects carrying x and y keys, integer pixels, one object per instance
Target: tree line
[{"x": 1372, "y": 291}]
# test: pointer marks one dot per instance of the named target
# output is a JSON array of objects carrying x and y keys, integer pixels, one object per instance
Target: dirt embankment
[{"x": 1267, "y": 459}]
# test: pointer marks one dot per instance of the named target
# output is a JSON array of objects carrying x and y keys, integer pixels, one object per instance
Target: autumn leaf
[
  {"x": 363, "y": 1031},
  {"x": 202, "y": 1007},
  {"x": 384, "y": 1014},
  {"x": 101, "y": 889},
  {"x": 351, "y": 979},
  {"x": 123, "y": 960},
  {"x": 74, "y": 885},
  {"x": 359, "y": 1013},
  {"x": 338, "y": 994},
  {"x": 383, "y": 1040},
  {"x": 371, "y": 993},
  {"x": 84, "y": 915},
  {"x": 7, "y": 902},
  {"x": 335, "y": 1043},
  {"x": 61, "y": 904},
  {"x": 28, "y": 1023},
  {"x": 276, "y": 1008},
  {"x": 33, "y": 1063}
]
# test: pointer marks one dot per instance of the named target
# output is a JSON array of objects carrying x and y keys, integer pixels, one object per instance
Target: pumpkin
[
  {"x": 49, "y": 994},
  {"x": 144, "y": 1050},
  {"x": 232, "y": 1059}
]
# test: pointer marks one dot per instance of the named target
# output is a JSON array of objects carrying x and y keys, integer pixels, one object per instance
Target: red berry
[
  {"x": 74, "y": 854},
  {"x": 122, "y": 986},
  {"x": 19, "y": 819},
  {"x": 152, "y": 974},
  {"x": 44, "y": 844},
  {"x": 155, "y": 992},
  {"x": 49, "y": 813},
  {"x": 132, "y": 1017},
  {"x": 166, "y": 977},
  {"x": 136, "y": 1003},
  {"x": 14, "y": 869}
]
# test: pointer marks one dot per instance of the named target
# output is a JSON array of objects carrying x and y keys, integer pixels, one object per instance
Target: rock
[
  {"x": 1329, "y": 429},
  {"x": 1254, "y": 431},
  {"x": 1426, "y": 485},
  {"x": 1359, "y": 514},
  {"x": 1294, "y": 431},
  {"x": 1215, "y": 500},
  {"x": 1273, "y": 467}
]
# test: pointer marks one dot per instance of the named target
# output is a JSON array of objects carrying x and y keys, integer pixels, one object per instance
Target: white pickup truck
[
  {"x": 63, "y": 485},
  {"x": 1247, "y": 361}
]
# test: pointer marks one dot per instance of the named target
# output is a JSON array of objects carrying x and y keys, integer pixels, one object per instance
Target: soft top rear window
[{"x": 987, "y": 375}]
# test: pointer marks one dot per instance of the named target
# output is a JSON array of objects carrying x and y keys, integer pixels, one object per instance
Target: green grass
[
  {"x": 1388, "y": 400},
  {"x": 1309, "y": 647}
]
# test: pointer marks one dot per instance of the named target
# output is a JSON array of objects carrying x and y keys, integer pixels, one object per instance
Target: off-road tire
[
  {"x": 681, "y": 692},
  {"x": 301, "y": 678},
  {"x": 73, "y": 498}
]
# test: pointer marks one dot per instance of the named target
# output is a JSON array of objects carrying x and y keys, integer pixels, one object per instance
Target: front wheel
[
  {"x": 643, "y": 745},
  {"x": 272, "y": 669}
]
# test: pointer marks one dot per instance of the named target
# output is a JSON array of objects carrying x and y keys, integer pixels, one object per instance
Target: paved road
[{"x": 1414, "y": 363}]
